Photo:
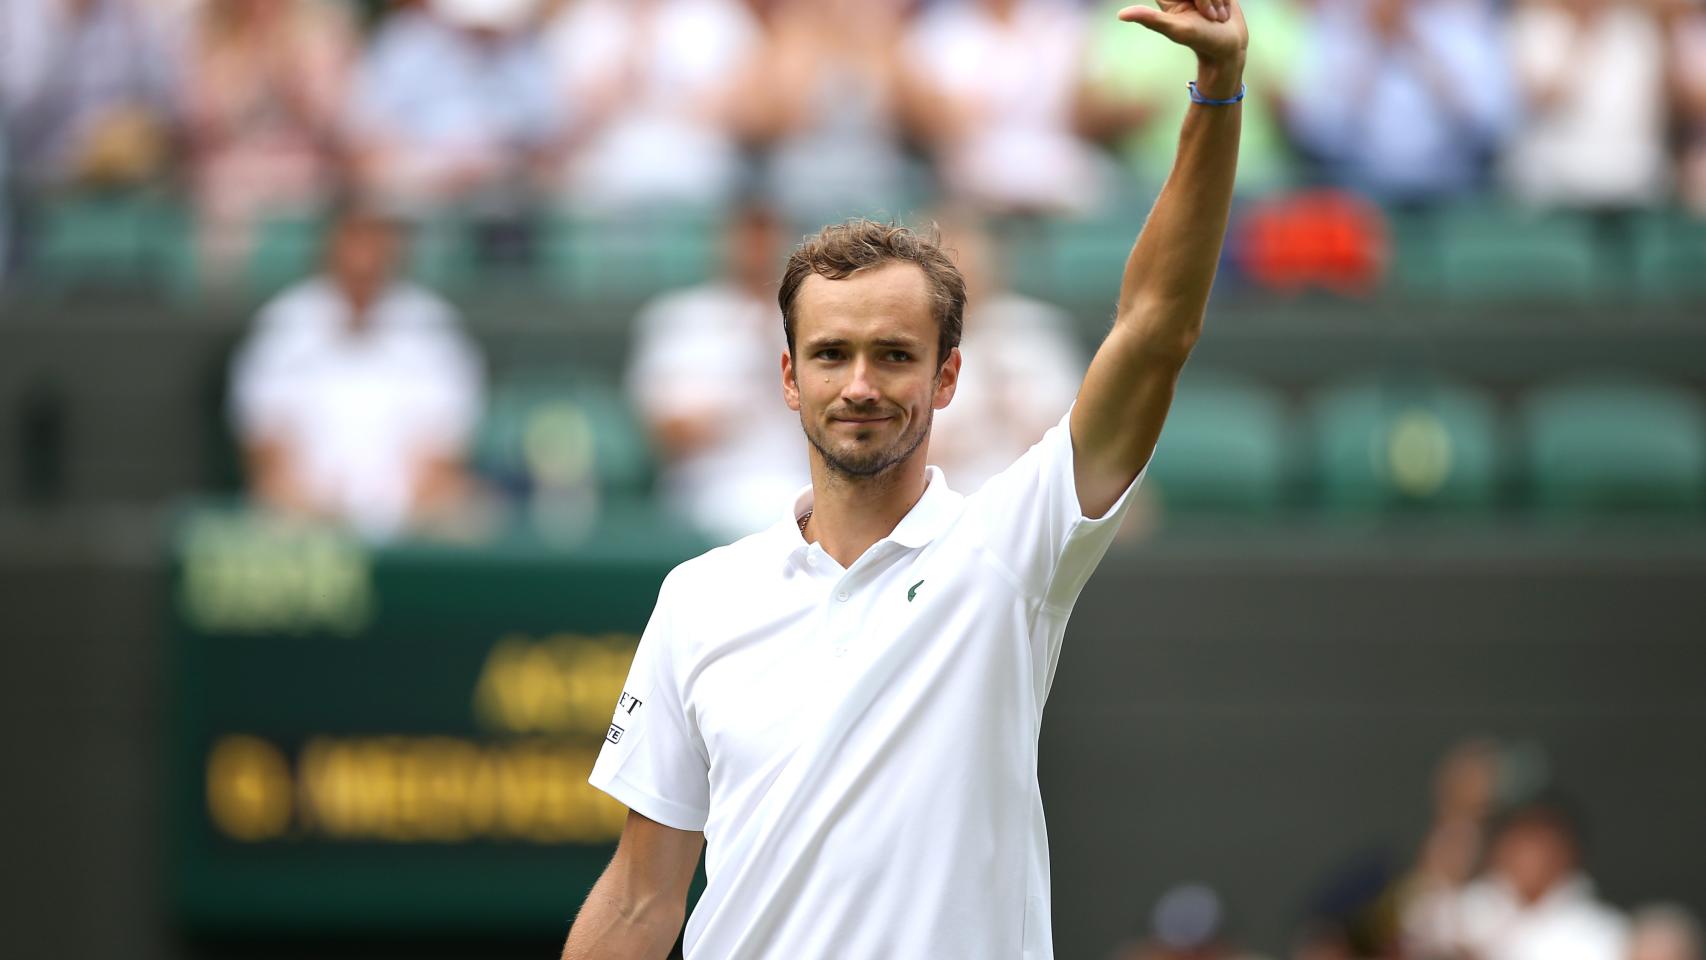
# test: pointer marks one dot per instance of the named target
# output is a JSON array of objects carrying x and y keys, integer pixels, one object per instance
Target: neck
[{"x": 849, "y": 514}]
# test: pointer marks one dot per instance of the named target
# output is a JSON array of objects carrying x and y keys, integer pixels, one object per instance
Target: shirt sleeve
[
  {"x": 263, "y": 390},
  {"x": 1034, "y": 526},
  {"x": 652, "y": 760}
]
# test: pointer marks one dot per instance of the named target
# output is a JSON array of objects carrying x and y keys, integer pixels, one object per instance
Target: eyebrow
[{"x": 824, "y": 342}]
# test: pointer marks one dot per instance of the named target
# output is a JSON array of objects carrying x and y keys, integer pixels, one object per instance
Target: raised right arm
[{"x": 636, "y": 909}]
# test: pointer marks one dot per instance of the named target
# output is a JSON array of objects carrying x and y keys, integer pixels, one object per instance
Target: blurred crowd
[
  {"x": 256, "y": 107},
  {"x": 767, "y": 113},
  {"x": 356, "y": 397},
  {"x": 1501, "y": 873}
]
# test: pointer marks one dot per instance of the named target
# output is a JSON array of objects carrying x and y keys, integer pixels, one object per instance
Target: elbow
[{"x": 1158, "y": 342}]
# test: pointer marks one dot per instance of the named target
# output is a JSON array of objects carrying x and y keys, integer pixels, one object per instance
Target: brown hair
[{"x": 840, "y": 250}]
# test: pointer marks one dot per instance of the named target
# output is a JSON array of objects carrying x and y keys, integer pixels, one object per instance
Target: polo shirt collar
[{"x": 927, "y": 519}]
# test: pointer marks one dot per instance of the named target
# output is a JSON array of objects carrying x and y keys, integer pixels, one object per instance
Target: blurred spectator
[
  {"x": 991, "y": 91},
  {"x": 265, "y": 80},
  {"x": 1465, "y": 792},
  {"x": 1326, "y": 238},
  {"x": 1406, "y": 99},
  {"x": 1592, "y": 77},
  {"x": 831, "y": 92},
  {"x": 1664, "y": 933},
  {"x": 1533, "y": 903},
  {"x": 453, "y": 103},
  {"x": 1688, "y": 57},
  {"x": 1134, "y": 93},
  {"x": 652, "y": 88},
  {"x": 1020, "y": 371},
  {"x": 356, "y": 393},
  {"x": 1187, "y": 923},
  {"x": 87, "y": 91},
  {"x": 706, "y": 374},
  {"x": 1322, "y": 941}
]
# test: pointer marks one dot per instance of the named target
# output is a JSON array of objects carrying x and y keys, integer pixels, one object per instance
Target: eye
[
  {"x": 898, "y": 356},
  {"x": 829, "y": 353}
]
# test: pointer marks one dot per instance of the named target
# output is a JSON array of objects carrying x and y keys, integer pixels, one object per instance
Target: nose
[{"x": 861, "y": 389}]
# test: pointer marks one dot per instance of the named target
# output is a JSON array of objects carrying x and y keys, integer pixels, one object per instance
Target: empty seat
[
  {"x": 1615, "y": 445},
  {"x": 1225, "y": 447},
  {"x": 563, "y": 430},
  {"x": 604, "y": 259},
  {"x": 1493, "y": 253},
  {"x": 129, "y": 239},
  {"x": 1396, "y": 444},
  {"x": 1670, "y": 257}
]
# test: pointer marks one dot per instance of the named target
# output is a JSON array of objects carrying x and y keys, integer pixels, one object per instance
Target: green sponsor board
[{"x": 373, "y": 740}]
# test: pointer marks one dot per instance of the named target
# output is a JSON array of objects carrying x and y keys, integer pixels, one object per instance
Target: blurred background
[{"x": 364, "y": 366}]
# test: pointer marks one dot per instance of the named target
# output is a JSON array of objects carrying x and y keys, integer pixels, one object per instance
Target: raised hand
[{"x": 1215, "y": 29}]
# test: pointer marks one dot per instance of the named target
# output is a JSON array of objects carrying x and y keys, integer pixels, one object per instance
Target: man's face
[
  {"x": 863, "y": 375},
  {"x": 364, "y": 256},
  {"x": 1532, "y": 858}
]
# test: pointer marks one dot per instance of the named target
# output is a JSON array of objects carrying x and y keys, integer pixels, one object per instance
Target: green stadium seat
[
  {"x": 1670, "y": 257},
  {"x": 1080, "y": 261},
  {"x": 626, "y": 259},
  {"x": 286, "y": 249},
  {"x": 1417, "y": 268},
  {"x": 563, "y": 430},
  {"x": 1392, "y": 444},
  {"x": 1492, "y": 253},
  {"x": 1226, "y": 448},
  {"x": 1615, "y": 445},
  {"x": 131, "y": 239},
  {"x": 441, "y": 253}
]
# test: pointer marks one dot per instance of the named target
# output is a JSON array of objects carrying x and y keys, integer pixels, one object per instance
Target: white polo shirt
[{"x": 859, "y": 745}]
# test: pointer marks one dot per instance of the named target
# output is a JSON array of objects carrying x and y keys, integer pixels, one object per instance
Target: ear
[
  {"x": 947, "y": 378},
  {"x": 790, "y": 382}
]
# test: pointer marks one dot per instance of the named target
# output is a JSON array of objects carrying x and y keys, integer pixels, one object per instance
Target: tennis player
[{"x": 843, "y": 710}]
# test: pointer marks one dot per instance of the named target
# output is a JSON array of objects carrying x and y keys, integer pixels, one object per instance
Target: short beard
[{"x": 878, "y": 462}]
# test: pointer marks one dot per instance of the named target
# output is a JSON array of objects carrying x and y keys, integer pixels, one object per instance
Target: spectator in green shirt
[{"x": 1134, "y": 94}]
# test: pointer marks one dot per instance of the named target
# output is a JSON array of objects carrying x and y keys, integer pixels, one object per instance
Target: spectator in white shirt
[
  {"x": 705, "y": 374},
  {"x": 830, "y": 106},
  {"x": 356, "y": 393},
  {"x": 992, "y": 85},
  {"x": 1533, "y": 903},
  {"x": 1021, "y": 370},
  {"x": 1592, "y": 75},
  {"x": 1664, "y": 932},
  {"x": 651, "y": 89}
]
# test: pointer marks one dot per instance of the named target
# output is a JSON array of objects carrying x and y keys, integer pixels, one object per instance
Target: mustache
[{"x": 860, "y": 413}]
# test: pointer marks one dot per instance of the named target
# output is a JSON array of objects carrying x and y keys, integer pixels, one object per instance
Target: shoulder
[
  {"x": 412, "y": 308},
  {"x": 1017, "y": 311},
  {"x": 300, "y": 314},
  {"x": 303, "y": 299},
  {"x": 688, "y": 304}
]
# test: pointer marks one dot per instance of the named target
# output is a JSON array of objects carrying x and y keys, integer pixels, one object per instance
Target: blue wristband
[{"x": 1197, "y": 97}]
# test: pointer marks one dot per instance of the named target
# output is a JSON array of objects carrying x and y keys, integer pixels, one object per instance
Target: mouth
[{"x": 860, "y": 422}]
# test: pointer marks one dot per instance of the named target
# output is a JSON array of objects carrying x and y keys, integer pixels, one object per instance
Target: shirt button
[{"x": 842, "y": 596}]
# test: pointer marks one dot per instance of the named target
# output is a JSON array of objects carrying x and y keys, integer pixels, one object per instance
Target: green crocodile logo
[{"x": 914, "y": 591}]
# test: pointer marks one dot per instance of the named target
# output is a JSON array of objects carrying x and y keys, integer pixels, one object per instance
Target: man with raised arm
[{"x": 843, "y": 710}]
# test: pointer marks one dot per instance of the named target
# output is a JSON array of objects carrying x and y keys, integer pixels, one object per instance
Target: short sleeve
[
  {"x": 652, "y": 761},
  {"x": 451, "y": 378},
  {"x": 1033, "y": 525},
  {"x": 263, "y": 391}
]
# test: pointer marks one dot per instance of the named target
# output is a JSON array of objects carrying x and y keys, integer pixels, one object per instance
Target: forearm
[
  {"x": 612, "y": 925},
  {"x": 1172, "y": 266}
]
